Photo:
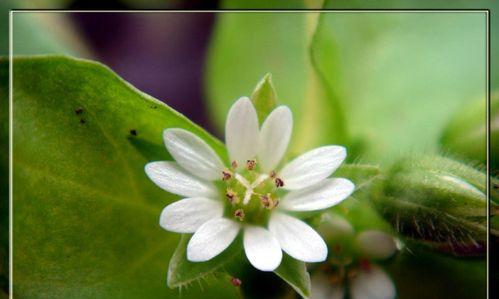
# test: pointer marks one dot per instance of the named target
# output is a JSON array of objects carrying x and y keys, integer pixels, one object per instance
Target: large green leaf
[
  {"x": 400, "y": 76},
  {"x": 85, "y": 215}
]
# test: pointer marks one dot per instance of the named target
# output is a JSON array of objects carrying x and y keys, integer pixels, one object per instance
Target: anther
[
  {"x": 234, "y": 164},
  {"x": 239, "y": 214},
  {"x": 266, "y": 202},
  {"x": 226, "y": 175},
  {"x": 235, "y": 281},
  {"x": 279, "y": 182},
  {"x": 272, "y": 174},
  {"x": 250, "y": 164},
  {"x": 231, "y": 196}
]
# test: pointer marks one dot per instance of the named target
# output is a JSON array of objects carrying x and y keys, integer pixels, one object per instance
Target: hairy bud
[{"x": 436, "y": 201}]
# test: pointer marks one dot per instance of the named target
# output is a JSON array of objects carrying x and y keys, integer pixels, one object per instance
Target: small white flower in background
[
  {"x": 252, "y": 193},
  {"x": 363, "y": 278}
]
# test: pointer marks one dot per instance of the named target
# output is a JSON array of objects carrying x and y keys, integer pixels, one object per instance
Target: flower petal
[
  {"x": 376, "y": 244},
  {"x": 211, "y": 239},
  {"x": 261, "y": 248},
  {"x": 241, "y": 131},
  {"x": 274, "y": 137},
  {"x": 322, "y": 195},
  {"x": 372, "y": 284},
  {"x": 312, "y": 167},
  {"x": 187, "y": 215},
  {"x": 172, "y": 178},
  {"x": 323, "y": 288},
  {"x": 297, "y": 238},
  {"x": 193, "y": 154}
]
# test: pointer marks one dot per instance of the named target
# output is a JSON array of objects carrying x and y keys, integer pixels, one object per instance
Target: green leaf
[
  {"x": 396, "y": 87},
  {"x": 295, "y": 273},
  {"x": 264, "y": 97},
  {"x": 182, "y": 272},
  {"x": 85, "y": 214}
]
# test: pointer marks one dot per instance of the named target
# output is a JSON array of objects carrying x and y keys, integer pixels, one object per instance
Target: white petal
[
  {"x": 372, "y": 284},
  {"x": 274, "y": 137},
  {"x": 241, "y": 131},
  {"x": 187, "y": 215},
  {"x": 193, "y": 154},
  {"x": 174, "y": 179},
  {"x": 261, "y": 248},
  {"x": 211, "y": 239},
  {"x": 376, "y": 244},
  {"x": 312, "y": 167},
  {"x": 322, "y": 195},
  {"x": 297, "y": 238},
  {"x": 322, "y": 288}
]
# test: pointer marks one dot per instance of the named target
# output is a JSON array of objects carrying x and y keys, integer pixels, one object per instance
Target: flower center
[{"x": 250, "y": 195}]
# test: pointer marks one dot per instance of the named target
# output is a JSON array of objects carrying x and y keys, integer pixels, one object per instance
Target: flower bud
[
  {"x": 436, "y": 201},
  {"x": 264, "y": 97}
]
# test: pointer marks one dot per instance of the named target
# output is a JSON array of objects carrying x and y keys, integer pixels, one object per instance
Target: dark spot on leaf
[
  {"x": 154, "y": 107},
  {"x": 79, "y": 110},
  {"x": 82, "y": 121},
  {"x": 133, "y": 132}
]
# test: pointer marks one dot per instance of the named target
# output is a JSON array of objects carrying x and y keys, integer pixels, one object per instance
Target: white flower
[
  {"x": 365, "y": 279},
  {"x": 252, "y": 193}
]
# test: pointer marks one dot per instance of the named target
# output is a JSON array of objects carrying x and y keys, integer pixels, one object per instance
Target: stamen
[
  {"x": 226, "y": 175},
  {"x": 250, "y": 164},
  {"x": 266, "y": 202},
  {"x": 276, "y": 202},
  {"x": 235, "y": 281},
  {"x": 239, "y": 214},
  {"x": 272, "y": 174},
  {"x": 279, "y": 182},
  {"x": 234, "y": 164},
  {"x": 232, "y": 196}
]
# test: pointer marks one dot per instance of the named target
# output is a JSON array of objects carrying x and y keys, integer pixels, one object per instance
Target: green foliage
[
  {"x": 466, "y": 133},
  {"x": 295, "y": 274},
  {"x": 85, "y": 214},
  {"x": 363, "y": 56},
  {"x": 420, "y": 273},
  {"x": 182, "y": 272}
]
